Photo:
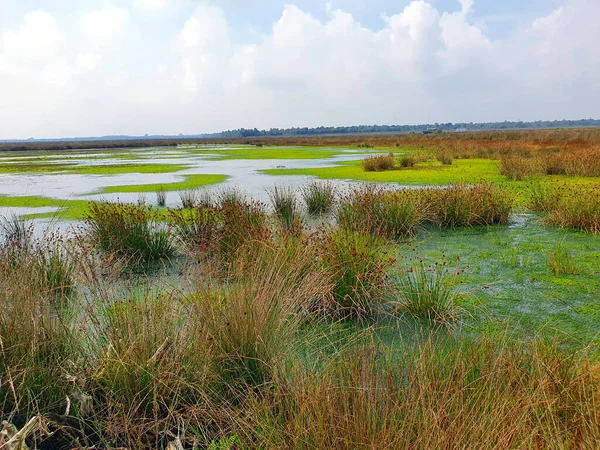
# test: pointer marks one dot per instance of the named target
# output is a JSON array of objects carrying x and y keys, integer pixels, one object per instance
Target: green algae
[
  {"x": 273, "y": 153},
  {"x": 93, "y": 169},
  {"x": 67, "y": 209},
  {"x": 507, "y": 267},
  {"x": 190, "y": 182},
  {"x": 427, "y": 173}
]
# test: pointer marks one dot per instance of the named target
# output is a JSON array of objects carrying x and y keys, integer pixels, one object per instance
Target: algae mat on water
[
  {"x": 67, "y": 209},
  {"x": 430, "y": 172},
  {"x": 190, "y": 182},
  {"x": 509, "y": 270},
  {"x": 98, "y": 169},
  {"x": 275, "y": 153}
]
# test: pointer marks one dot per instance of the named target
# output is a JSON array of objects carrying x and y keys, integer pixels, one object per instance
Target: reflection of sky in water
[{"x": 243, "y": 174}]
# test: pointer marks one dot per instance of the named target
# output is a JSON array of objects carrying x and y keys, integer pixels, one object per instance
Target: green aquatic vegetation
[
  {"x": 562, "y": 261},
  {"x": 67, "y": 209},
  {"x": 285, "y": 205},
  {"x": 34, "y": 167},
  {"x": 190, "y": 182},
  {"x": 428, "y": 291},
  {"x": 391, "y": 214},
  {"x": 93, "y": 169},
  {"x": 319, "y": 197},
  {"x": 115, "y": 169},
  {"x": 272, "y": 153},
  {"x": 133, "y": 232},
  {"x": 514, "y": 283},
  {"x": 161, "y": 197},
  {"x": 357, "y": 261},
  {"x": 430, "y": 172}
]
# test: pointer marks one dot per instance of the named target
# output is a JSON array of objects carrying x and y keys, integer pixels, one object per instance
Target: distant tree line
[{"x": 369, "y": 129}]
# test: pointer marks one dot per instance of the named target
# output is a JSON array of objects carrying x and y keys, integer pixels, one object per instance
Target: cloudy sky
[{"x": 101, "y": 67}]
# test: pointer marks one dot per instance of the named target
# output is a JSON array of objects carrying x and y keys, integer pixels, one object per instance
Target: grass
[
  {"x": 242, "y": 352},
  {"x": 276, "y": 152},
  {"x": 430, "y": 172},
  {"x": 196, "y": 227},
  {"x": 357, "y": 262},
  {"x": 128, "y": 231},
  {"x": 189, "y": 198},
  {"x": 244, "y": 225},
  {"x": 578, "y": 209},
  {"x": 256, "y": 344},
  {"x": 285, "y": 205},
  {"x": 443, "y": 394},
  {"x": 568, "y": 206},
  {"x": 378, "y": 163},
  {"x": 461, "y": 205},
  {"x": 562, "y": 262},
  {"x": 428, "y": 291},
  {"x": 94, "y": 169},
  {"x": 319, "y": 197},
  {"x": 395, "y": 214},
  {"x": 190, "y": 182},
  {"x": 161, "y": 197}
]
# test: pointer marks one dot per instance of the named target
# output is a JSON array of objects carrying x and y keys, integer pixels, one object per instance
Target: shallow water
[{"x": 243, "y": 174}]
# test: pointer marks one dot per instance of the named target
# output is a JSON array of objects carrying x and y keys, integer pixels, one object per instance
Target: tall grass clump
[
  {"x": 319, "y": 197},
  {"x": 394, "y": 214},
  {"x": 444, "y": 157},
  {"x": 55, "y": 267},
  {"x": 153, "y": 363},
  {"x": 576, "y": 162},
  {"x": 189, "y": 198},
  {"x": 129, "y": 231},
  {"x": 518, "y": 168},
  {"x": 197, "y": 227},
  {"x": 489, "y": 392},
  {"x": 37, "y": 338},
  {"x": 407, "y": 161},
  {"x": 561, "y": 261},
  {"x": 231, "y": 196},
  {"x": 428, "y": 291},
  {"x": 254, "y": 322},
  {"x": 243, "y": 224},
  {"x": 578, "y": 209},
  {"x": 462, "y": 205},
  {"x": 15, "y": 232},
  {"x": 378, "y": 163},
  {"x": 357, "y": 262},
  {"x": 161, "y": 196},
  {"x": 544, "y": 197},
  {"x": 50, "y": 264},
  {"x": 285, "y": 206}
]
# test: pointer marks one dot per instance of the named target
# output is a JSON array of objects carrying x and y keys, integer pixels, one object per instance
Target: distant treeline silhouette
[{"x": 370, "y": 129}]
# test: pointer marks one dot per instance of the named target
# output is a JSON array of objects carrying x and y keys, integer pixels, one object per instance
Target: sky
[{"x": 105, "y": 67}]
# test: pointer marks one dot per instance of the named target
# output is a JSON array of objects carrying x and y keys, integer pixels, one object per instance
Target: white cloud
[
  {"x": 38, "y": 39},
  {"x": 422, "y": 65},
  {"x": 204, "y": 46},
  {"x": 104, "y": 25},
  {"x": 155, "y": 5},
  {"x": 87, "y": 62}
]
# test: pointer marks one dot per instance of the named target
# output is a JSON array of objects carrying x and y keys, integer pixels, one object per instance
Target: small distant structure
[
  {"x": 432, "y": 131},
  {"x": 460, "y": 130}
]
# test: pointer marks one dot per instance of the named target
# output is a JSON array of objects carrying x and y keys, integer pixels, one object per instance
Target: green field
[{"x": 190, "y": 182}]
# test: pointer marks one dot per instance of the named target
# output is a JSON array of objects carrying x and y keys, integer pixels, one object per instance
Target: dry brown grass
[{"x": 487, "y": 393}]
